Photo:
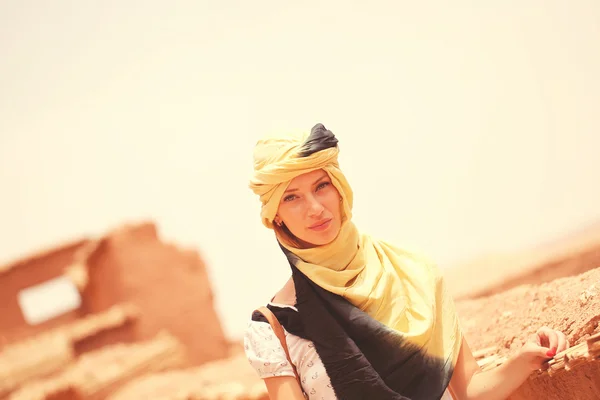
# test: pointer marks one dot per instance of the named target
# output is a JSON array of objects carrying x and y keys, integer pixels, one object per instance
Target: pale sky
[{"x": 465, "y": 127}]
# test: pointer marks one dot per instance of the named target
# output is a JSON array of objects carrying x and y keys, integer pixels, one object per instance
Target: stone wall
[
  {"x": 169, "y": 286},
  {"x": 25, "y": 273},
  {"x": 146, "y": 306}
]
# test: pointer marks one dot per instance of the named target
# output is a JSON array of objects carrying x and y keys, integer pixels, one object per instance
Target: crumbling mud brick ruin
[{"x": 122, "y": 332}]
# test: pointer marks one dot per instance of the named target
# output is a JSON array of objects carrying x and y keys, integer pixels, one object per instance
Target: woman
[{"x": 363, "y": 319}]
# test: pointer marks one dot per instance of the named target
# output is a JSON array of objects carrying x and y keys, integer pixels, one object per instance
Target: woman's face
[{"x": 311, "y": 208}]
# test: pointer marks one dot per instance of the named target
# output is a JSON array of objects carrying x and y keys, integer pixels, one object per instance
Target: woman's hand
[
  {"x": 542, "y": 346},
  {"x": 468, "y": 382}
]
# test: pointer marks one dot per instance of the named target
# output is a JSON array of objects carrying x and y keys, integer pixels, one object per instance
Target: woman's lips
[{"x": 321, "y": 226}]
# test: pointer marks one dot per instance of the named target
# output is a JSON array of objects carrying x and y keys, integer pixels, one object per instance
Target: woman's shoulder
[
  {"x": 259, "y": 334},
  {"x": 264, "y": 350},
  {"x": 257, "y": 329}
]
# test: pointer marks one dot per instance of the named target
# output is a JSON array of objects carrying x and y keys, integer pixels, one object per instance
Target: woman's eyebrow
[
  {"x": 321, "y": 178},
  {"x": 314, "y": 183}
]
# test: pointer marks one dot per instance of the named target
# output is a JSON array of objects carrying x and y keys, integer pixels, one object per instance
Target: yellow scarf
[{"x": 403, "y": 291}]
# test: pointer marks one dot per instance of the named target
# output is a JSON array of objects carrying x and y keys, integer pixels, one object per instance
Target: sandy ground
[{"x": 506, "y": 319}]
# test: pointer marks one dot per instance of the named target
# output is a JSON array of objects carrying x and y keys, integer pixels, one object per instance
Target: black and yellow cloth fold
[{"x": 380, "y": 317}]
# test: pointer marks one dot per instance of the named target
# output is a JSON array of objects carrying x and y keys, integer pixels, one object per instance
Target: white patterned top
[{"x": 267, "y": 357}]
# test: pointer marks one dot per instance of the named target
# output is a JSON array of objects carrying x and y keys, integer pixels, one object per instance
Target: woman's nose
[{"x": 315, "y": 207}]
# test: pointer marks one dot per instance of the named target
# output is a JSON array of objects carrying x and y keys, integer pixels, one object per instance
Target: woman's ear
[{"x": 277, "y": 220}]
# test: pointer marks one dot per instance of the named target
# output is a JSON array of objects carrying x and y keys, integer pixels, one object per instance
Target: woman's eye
[
  {"x": 322, "y": 185},
  {"x": 289, "y": 198}
]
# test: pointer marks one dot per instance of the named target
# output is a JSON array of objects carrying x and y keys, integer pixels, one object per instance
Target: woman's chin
[{"x": 322, "y": 239}]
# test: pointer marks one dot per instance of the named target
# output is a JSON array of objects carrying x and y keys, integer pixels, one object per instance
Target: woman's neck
[{"x": 287, "y": 294}]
